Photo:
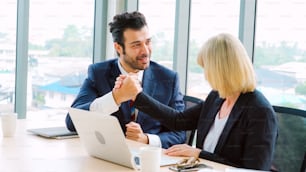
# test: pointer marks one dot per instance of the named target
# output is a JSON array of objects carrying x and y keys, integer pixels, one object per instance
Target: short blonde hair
[{"x": 226, "y": 65}]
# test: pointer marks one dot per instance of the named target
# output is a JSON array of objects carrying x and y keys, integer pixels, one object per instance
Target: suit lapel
[
  {"x": 233, "y": 117},
  {"x": 149, "y": 84},
  {"x": 113, "y": 73},
  {"x": 207, "y": 121}
]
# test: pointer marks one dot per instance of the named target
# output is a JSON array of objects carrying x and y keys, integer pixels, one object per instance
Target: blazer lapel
[
  {"x": 113, "y": 73},
  {"x": 207, "y": 121},
  {"x": 148, "y": 82},
  {"x": 149, "y": 85},
  {"x": 233, "y": 117}
]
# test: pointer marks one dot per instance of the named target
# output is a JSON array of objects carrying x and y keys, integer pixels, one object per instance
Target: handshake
[{"x": 127, "y": 87}]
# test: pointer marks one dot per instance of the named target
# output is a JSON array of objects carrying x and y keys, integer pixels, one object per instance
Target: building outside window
[
  {"x": 280, "y": 52},
  {"x": 161, "y": 24},
  {"x": 208, "y": 18},
  {"x": 60, "y": 50},
  {"x": 8, "y": 20}
]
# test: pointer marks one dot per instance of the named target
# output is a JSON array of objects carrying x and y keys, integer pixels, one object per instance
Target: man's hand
[
  {"x": 183, "y": 150},
  {"x": 126, "y": 87},
  {"x": 134, "y": 132}
]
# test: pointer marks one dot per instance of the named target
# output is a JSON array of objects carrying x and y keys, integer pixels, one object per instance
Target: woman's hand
[
  {"x": 183, "y": 150},
  {"x": 126, "y": 88}
]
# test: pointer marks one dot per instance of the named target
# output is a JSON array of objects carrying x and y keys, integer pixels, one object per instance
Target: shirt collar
[{"x": 139, "y": 74}]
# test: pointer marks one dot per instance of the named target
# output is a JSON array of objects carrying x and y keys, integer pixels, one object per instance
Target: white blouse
[{"x": 214, "y": 133}]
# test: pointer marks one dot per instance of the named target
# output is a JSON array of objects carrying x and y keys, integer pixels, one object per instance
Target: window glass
[
  {"x": 208, "y": 18},
  {"x": 8, "y": 20},
  {"x": 160, "y": 15},
  {"x": 60, "y": 50},
  {"x": 280, "y": 52}
]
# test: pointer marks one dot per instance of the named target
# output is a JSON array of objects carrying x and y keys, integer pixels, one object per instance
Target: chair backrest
[
  {"x": 303, "y": 167},
  {"x": 291, "y": 142},
  {"x": 190, "y": 102}
]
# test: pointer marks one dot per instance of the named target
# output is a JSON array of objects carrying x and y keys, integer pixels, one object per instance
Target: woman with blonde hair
[{"x": 236, "y": 125}]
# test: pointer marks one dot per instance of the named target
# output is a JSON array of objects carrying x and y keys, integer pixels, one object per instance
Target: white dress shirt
[{"x": 107, "y": 105}]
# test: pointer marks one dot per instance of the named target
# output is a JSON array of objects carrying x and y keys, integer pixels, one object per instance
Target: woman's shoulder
[
  {"x": 257, "y": 98},
  {"x": 257, "y": 104}
]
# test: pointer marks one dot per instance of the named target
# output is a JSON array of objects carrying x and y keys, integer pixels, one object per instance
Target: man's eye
[{"x": 135, "y": 45}]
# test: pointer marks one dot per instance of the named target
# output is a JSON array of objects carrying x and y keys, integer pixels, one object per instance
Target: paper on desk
[
  {"x": 242, "y": 170},
  {"x": 208, "y": 170}
]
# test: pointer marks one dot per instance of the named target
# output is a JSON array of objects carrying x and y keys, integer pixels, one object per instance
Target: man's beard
[{"x": 134, "y": 63}]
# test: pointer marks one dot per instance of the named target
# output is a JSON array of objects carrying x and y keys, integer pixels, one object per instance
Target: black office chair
[
  {"x": 189, "y": 102},
  {"x": 303, "y": 167},
  {"x": 290, "y": 149}
]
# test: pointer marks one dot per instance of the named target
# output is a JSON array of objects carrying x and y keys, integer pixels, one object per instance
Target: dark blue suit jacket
[
  {"x": 249, "y": 135},
  {"x": 158, "y": 82}
]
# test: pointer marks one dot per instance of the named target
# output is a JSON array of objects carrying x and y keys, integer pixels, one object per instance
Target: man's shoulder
[
  {"x": 103, "y": 65},
  {"x": 155, "y": 67}
]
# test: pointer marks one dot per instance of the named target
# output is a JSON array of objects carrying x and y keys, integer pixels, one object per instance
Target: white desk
[{"x": 29, "y": 153}]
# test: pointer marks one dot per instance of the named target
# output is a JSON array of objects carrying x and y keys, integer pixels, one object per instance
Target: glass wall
[
  {"x": 280, "y": 52},
  {"x": 280, "y": 64},
  {"x": 160, "y": 15},
  {"x": 60, "y": 50},
  {"x": 61, "y": 37},
  {"x": 8, "y": 20},
  {"x": 208, "y": 18}
]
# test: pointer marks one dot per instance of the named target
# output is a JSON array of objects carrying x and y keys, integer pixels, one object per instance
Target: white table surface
[{"x": 26, "y": 152}]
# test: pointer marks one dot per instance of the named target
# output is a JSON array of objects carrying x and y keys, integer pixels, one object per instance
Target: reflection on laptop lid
[
  {"x": 103, "y": 138},
  {"x": 54, "y": 132}
]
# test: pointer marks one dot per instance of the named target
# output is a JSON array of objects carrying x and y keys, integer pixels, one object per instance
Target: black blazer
[
  {"x": 158, "y": 82},
  {"x": 248, "y": 138}
]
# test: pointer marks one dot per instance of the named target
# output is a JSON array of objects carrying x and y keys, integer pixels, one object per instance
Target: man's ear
[{"x": 118, "y": 48}]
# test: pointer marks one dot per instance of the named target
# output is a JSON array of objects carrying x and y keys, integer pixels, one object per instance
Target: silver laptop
[
  {"x": 54, "y": 132},
  {"x": 102, "y": 137}
]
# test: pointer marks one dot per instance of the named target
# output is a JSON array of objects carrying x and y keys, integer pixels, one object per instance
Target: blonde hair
[{"x": 227, "y": 66}]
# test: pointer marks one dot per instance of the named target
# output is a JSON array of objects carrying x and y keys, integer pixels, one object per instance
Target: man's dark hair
[{"x": 134, "y": 20}]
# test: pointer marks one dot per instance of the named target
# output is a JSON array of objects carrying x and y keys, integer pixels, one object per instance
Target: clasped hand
[{"x": 126, "y": 88}]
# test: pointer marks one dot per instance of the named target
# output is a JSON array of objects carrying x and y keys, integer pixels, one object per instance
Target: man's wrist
[{"x": 117, "y": 100}]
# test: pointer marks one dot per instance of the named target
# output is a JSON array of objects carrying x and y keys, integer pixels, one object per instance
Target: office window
[
  {"x": 8, "y": 19},
  {"x": 160, "y": 15},
  {"x": 60, "y": 50},
  {"x": 280, "y": 53},
  {"x": 208, "y": 18}
]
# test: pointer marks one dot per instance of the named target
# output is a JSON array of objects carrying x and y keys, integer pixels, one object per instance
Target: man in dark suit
[{"x": 132, "y": 43}]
